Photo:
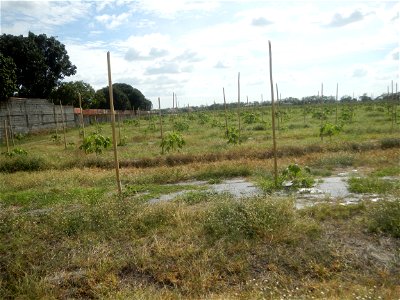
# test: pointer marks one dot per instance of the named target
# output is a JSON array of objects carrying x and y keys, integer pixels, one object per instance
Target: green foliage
[
  {"x": 56, "y": 138},
  {"x": 384, "y": 216},
  {"x": 41, "y": 62},
  {"x": 181, "y": 126},
  {"x": 250, "y": 118},
  {"x": 8, "y": 79},
  {"x": 95, "y": 142},
  {"x": 133, "y": 122},
  {"x": 250, "y": 219},
  {"x": 15, "y": 152},
  {"x": 232, "y": 135},
  {"x": 123, "y": 141},
  {"x": 330, "y": 130},
  {"x": 347, "y": 114},
  {"x": 299, "y": 177},
  {"x": 203, "y": 118},
  {"x": 372, "y": 185},
  {"x": 18, "y": 163},
  {"x": 173, "y": 141},
  {"x": 67, "y": 93},
  {"x": 292, "y": 177},
  {"x": 390, "y": 143}
]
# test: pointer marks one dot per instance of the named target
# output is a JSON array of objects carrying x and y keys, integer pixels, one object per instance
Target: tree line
[{"x": 35, "y": 67}]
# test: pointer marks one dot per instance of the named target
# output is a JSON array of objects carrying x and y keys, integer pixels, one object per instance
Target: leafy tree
[
  {"x": 121, "y": 101},
  {"x": 41, "y": 62},
  {"x": 7, "y": 77},
  {"x": 67, "y": 92},
  {"x": 125, "y": 97},
  {"x": 136, "y": 98}
]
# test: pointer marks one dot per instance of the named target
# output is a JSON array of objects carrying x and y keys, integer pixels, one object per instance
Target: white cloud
[
  {"x": 113, "y": 21},
  {"x": 19, "y": 17}
]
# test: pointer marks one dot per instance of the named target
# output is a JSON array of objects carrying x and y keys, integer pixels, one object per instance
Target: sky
[{"x": 195, "y": 48}]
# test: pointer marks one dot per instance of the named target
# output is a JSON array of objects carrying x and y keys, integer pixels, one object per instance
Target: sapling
[
  {"x": 172, "y": 141},
  {"x": 330, "y": 130}
]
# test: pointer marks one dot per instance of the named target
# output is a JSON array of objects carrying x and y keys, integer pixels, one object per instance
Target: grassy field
[{"x": 66, "y": 233}]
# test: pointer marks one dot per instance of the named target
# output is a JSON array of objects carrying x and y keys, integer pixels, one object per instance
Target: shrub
[
  {"x": 390, "y": 143},
  {"x": 15, "y": 152},
  {"x": 330, "y": 130},
  {"x": 22, "y": 163},
  {"x": 385, "y": 217},
  {"x": 181, "y": 126},
  {"x": 254, "y": 218}
]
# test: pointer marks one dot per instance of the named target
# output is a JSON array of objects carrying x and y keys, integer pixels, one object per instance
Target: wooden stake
[
  {"x": 161, "y": 127},
  {"x": 10, "y": 125},
  {"x": 239, "y": 103},
  {"x": 6, "y": 136},
  {"x": 392, "y": 114},
  {"x": 277, "y": 104},
  {"x": 226, "y": 113},
  {"x": 56, "y": 120},
  {"x": 337, "y": 91},
  {"x": 273, "y": 115},
  {"x": 63, "y": 122},
  {"x": 322, "y": 103},
  {"x": 82, "y": 122},
  {"x": 110, "y": 90},
  {"x": 119, "y": 127}
]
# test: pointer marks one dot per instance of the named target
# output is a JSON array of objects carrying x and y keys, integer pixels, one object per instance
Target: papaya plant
[
  {"x": 95, "y": 142},
  {"x": 233, "y": 135},
  {"x": 172, "y": 141},
  {"x": 330, "y": 130}
]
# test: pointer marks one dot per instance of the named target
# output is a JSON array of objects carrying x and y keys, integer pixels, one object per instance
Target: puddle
[
  {"x": 237, "y": 187},
  {"x": 330, "y": 189}
]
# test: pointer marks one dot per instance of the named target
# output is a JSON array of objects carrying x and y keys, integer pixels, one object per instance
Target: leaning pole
[{"x": 110, "y": 90}]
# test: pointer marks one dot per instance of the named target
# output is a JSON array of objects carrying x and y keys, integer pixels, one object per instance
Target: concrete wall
[
  {"x": 33, "y": 115},
  {"x": 24, "y": 115}
]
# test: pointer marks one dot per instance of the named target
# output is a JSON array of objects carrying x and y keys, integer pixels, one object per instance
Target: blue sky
[{"x": 195, "y": 48}]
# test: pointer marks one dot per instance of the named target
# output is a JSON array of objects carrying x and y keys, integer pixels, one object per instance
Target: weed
[
  {"x": 23, "y": 163},
  {"x": 384, "y": 216},
  {"x": 390, "y": 143},
  {"x": 372, "y": 185},
  {"x": 256, "y": 218}
]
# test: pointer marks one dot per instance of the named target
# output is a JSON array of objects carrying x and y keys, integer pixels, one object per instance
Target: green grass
[
  {"x": 373, "y": 185},
  {"x": 66, "y": 234}
]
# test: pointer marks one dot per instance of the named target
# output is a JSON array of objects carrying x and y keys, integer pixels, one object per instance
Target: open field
[{"x": 66, "y": 233}]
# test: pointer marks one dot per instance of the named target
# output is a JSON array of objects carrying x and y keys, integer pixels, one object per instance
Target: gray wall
[{"x": 33, "y": 115}]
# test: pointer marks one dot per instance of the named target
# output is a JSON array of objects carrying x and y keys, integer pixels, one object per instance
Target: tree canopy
[
  {"x": 68, "y": 94},
  {"x": 125, "y": 97},
  {"x": 41, "y": 62},
  {"x": 8, "y": 78}
]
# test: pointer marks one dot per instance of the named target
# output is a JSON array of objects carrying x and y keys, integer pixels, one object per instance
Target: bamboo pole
[
  {"x": 110, "y": 90},
  {"x": 226, "y": 113},
  {"x": 337, "y": 91},
  {"x": 277, "y": 104},
  {"x": 322, "y": 103},
  {"x": 10, "y": 125},
  {"x": 63, "y": 123},
  {"x": 392, "y": 114},
  {"x": 239, "y": 104},
  {"x": 119, "y": 127},
  {"x": 56, "y": 121},
  {"x": 273, "y": 115},
  {"x": 81, "y": 114},
  {"x": 6, "y": 136},
  {"x": 161, "y": 125}
]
